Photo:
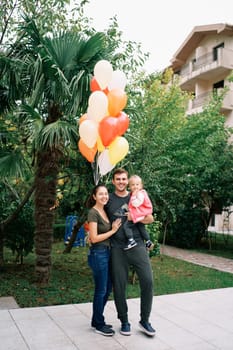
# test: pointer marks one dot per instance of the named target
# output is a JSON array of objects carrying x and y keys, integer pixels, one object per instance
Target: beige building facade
[{"x": 204, "y": 62}]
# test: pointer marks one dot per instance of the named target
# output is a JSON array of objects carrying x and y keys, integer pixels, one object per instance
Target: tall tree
[
  {"x": 181, "y": 158},
  {"x": 46, "y": 85},
  {"x": 56, "y": 73}
]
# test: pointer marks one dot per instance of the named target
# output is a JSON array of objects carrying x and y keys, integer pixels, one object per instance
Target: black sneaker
[
  {"x": 104, "y": 330},
  {"x": 93, "y": 325},
  {"x": 149, "y": 245},
  {"x": 132, "y": 243},
  {"x": 125, "y": 329},
  {"x": 147, "y": 328}
]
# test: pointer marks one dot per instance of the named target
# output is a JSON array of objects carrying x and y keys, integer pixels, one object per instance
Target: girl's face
[
  {"x": 101, "y": 197},
  {"x": 135, "y": 184}
]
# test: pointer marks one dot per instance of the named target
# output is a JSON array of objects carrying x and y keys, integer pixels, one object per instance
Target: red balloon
[
  {"x": 94, "y": 86},
  {"x": 108, "y": 130},
  {"x": 122, "y": 123}
]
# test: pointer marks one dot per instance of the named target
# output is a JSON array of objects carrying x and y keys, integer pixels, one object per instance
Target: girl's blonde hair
[{"x": 135, "y": 177}]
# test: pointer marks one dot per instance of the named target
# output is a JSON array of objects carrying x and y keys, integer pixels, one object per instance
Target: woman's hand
[{"x": 116, "y": 224}]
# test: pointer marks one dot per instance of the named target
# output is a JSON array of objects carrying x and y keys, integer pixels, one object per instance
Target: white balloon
[
  {"x": 98, "y": 105},
  {"x": 104, "y": 163},
  {"x": 88, "y": 131},
  {"x": 118, "y": 80},
  {"x": 103, "y": 73}
]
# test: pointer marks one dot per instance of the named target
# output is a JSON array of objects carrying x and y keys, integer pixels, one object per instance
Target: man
[{"x": 136, "y": 257}]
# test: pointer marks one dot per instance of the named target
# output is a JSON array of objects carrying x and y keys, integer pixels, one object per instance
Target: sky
[{"x": 160, "y": 26}]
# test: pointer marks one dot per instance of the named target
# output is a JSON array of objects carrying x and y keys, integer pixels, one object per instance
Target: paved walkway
[
  {"x": 207, "y": 260},
  {"x": 199, "y": 320},
  {"x": 185, "y": 321}
]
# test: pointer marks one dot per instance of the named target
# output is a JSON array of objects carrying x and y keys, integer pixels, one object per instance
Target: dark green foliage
[
  {"x": 20, "y": 233},
  {"x": 59, "y": 231},
  {"x": 154, "y": 232},
  {"x": 188, "y": 229}
]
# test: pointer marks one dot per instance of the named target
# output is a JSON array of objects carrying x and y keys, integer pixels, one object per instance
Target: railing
[
  {"x": 205, "y": 97},
  {"x": 202, "y": 99},
  {"x": 205, "y": 60}
]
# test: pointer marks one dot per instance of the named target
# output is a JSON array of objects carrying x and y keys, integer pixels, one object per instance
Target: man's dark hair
[{"x": 119, "y": 171}]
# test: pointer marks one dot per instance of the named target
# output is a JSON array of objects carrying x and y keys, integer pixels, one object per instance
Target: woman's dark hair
[{"x": 90, "y": 201}]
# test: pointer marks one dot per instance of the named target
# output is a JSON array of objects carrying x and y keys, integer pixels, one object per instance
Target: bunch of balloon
[{"x": 102, "y": 127}]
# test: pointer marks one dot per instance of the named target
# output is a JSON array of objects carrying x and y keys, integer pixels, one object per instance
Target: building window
[
  {"x": 218, "y": 85},
  {"x": 212, "y": 220},
  {"x": 215, "y": 51}
]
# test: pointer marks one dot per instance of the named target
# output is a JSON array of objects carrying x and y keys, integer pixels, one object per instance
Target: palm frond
[
  {"x": 30, "y": 112},
  {"x": 30, "y": 30},
  {"x": 14, "y": 165},
  {"x": 80, "y": 87},
  {"x": 58, "y": 135},
  {"x": 63, "y": 49},
  {"x": 92, "y": 47}
]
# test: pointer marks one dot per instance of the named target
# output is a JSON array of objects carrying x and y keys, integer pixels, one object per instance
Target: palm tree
[{"x": 56, "y": 72}]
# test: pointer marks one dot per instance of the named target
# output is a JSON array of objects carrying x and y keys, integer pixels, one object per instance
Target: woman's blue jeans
[{"x": 98, "y": 260}]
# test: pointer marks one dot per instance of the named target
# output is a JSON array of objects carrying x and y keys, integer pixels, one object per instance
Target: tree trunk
[
  {"x": 77, "y": 226},
  {"x": 45, "y": 197}
]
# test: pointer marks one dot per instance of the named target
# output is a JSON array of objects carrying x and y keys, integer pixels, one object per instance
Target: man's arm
[{"x": 148, "y": 219}]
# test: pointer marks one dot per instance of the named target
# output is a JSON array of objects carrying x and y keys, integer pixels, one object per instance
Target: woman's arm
[{"x": 93, "y": 232}]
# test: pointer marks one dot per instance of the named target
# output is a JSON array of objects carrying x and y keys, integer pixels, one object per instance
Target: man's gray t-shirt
[{"x": 115, "y": 208}]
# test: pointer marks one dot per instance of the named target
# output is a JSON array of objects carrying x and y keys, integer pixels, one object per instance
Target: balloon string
[{"x": 95, "y": 171}]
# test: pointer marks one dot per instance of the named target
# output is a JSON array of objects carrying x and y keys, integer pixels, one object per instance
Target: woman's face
[{"x": 101, "y": 197}]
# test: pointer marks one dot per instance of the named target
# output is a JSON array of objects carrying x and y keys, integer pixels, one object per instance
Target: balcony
[
  {"x": 196, "y": 104},
  {"x": 206, "y": 67}
]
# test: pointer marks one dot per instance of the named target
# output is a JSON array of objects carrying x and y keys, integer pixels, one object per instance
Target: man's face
[{"x": 120, "y": 181}]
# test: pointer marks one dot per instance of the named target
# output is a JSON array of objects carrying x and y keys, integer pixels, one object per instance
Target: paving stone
[{"x": 7, "y": 303}]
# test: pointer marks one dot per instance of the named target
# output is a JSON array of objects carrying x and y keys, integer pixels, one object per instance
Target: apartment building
[{"x": 204, "y": 62}]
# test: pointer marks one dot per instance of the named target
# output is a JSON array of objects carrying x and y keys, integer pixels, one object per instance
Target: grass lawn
[
  {"x": 71, "y": 279},
  {"x": 221, "y": 245}
]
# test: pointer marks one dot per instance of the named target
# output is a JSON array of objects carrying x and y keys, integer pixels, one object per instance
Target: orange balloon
[
  {"x": 117, "y": 100},
  {"x": 86, "y": 226},
  {"x": 88, "y": 153},
  {"x": 82, "y": 118}
]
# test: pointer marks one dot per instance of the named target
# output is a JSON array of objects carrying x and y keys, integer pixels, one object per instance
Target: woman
[{"x": 100, "y": 230}]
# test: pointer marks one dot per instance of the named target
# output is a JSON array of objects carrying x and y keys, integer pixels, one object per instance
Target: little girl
[{"x": 139, "y": 206}]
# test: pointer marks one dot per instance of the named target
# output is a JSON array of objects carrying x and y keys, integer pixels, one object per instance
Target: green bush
[
  {"x": 188, "y": 229},
  {"x": 154, "y": 232},
  {"x": 20, "y": 234},
  {"x": 59, "y": 231}
]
